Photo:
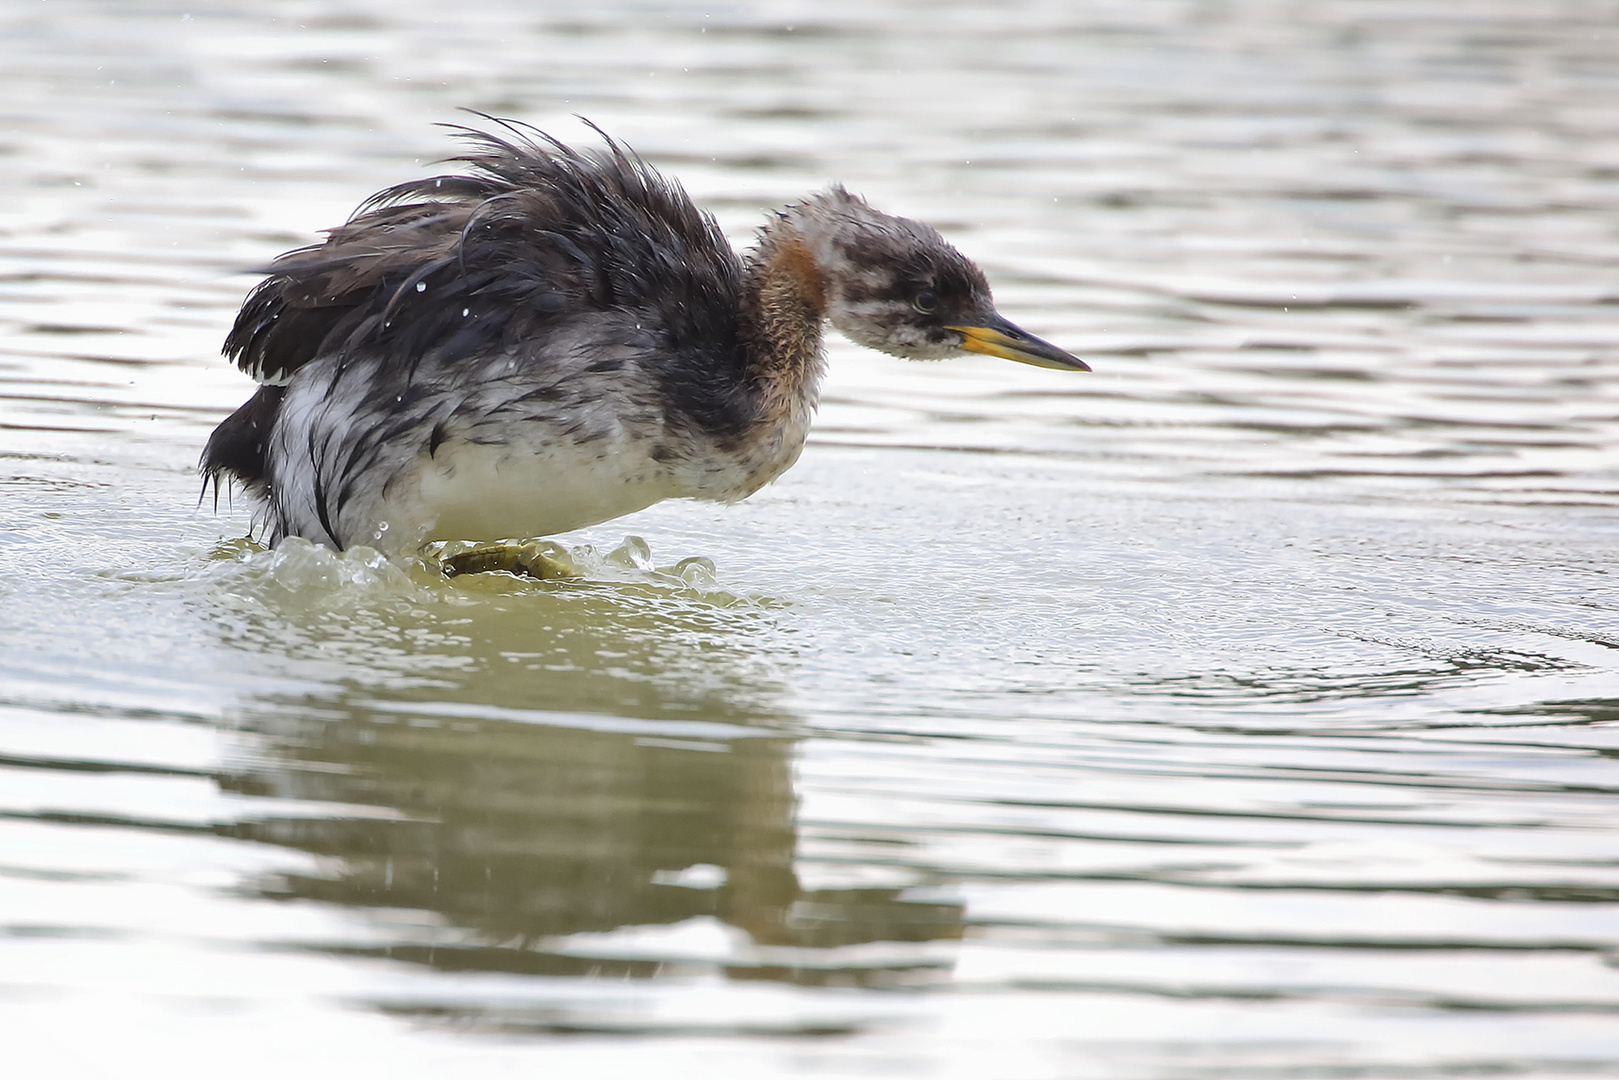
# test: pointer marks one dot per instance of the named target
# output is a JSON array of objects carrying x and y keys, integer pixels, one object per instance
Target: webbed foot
[{"x": 525, "y": 558}]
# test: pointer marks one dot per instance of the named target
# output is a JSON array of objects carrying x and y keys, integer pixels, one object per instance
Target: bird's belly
[{"x": 469, "y": 491}]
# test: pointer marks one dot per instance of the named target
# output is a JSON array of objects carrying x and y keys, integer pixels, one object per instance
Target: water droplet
[
  {"x": 697, "y": 572},
  {"x": 633, "y": 553},
  {"x": 421, "y": 286}
]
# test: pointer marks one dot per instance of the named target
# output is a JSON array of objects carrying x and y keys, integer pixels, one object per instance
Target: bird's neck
[{"x": 784, "y": 303}]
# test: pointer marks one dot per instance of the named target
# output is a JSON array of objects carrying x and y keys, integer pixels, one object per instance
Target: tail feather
[{"x": 237, "y": 446}]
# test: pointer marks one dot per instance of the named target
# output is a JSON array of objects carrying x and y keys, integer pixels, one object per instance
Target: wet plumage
[{"x": 553, "y": 338}]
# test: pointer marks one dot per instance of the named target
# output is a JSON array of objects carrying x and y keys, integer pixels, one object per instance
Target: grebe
[{"x": 555, "y": 338}]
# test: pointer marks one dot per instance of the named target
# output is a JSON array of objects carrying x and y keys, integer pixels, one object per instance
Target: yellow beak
[{"x": 1000, "y": 338}]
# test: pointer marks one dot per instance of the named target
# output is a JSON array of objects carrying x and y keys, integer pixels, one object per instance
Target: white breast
[{"x": 481, "y": 492}]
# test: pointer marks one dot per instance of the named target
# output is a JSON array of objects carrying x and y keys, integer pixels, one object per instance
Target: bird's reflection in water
[{"x": 623, "y": 767}]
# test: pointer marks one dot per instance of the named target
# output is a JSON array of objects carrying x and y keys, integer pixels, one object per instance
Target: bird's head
[{"x": 896, "y": 285}]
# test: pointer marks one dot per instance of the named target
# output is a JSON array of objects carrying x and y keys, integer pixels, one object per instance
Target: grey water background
[{"x": 1247, "y": 708}]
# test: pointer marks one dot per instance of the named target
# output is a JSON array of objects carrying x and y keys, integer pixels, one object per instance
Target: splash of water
[{"x": 299, "y": 566}]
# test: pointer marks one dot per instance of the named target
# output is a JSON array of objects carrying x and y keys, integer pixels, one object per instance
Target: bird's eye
[{"x": 926, "y": 301}]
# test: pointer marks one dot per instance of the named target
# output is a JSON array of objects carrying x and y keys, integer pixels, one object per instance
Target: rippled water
[{"x": 1249, "y": 708}]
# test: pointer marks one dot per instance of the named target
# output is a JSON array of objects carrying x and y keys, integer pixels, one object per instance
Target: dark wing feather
[
  {"x": 480, "y": 262},
  {"x": 533, "y": 232}
]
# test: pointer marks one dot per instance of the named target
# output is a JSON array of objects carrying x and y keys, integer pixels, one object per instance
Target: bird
[{"x": 550, "y": 338}]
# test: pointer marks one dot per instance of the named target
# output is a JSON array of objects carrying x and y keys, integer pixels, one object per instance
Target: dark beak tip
[{"x": 1054, "y": 355}]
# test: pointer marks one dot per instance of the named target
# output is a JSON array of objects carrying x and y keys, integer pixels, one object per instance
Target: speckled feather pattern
[{"x": 516, "y": 431}]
